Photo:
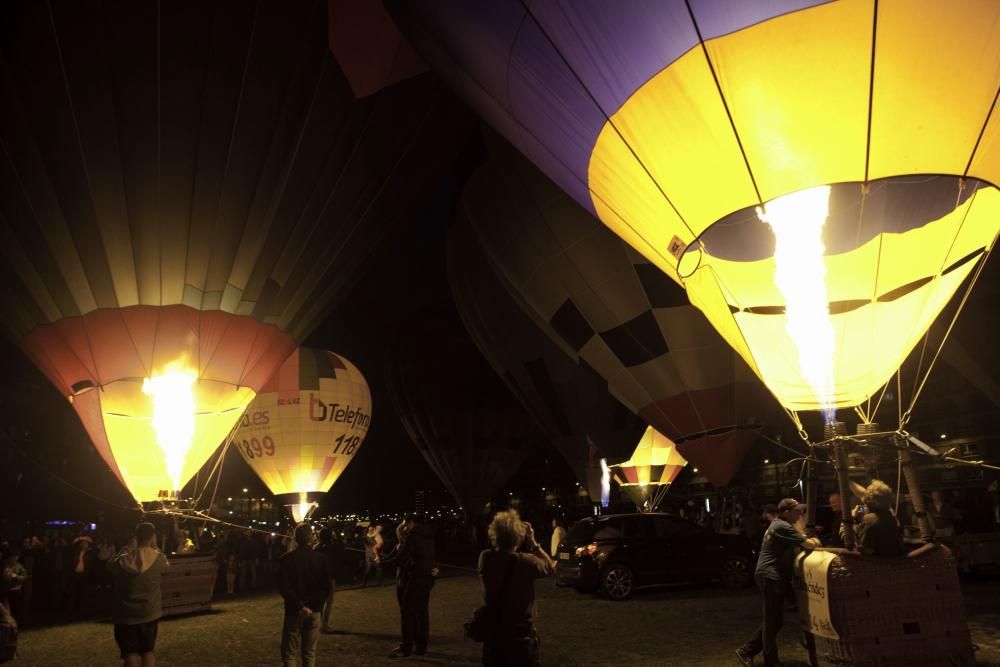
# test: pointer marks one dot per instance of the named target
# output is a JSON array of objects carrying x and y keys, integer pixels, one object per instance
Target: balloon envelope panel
[{"x": 569, "y": 401}]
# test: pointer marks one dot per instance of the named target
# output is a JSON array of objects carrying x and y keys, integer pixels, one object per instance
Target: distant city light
[{"x": 244, "y": 490}]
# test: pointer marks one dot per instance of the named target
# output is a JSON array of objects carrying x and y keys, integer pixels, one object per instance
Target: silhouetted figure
[
  {"x": 305, "y": 581},
  {"x": 136, "y": 605}
]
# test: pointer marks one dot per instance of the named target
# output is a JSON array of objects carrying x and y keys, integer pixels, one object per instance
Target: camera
[{"x": 859, "y": 511}]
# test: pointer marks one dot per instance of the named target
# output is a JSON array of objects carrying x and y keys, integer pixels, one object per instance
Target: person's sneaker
[
  {"x": 400, "y": 652},
  {"x": 419, "y": 650},
  {"x": 745, "y": 659}
]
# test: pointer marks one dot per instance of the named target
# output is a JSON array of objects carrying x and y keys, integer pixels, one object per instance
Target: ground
[{"x": 684, "y": 625}]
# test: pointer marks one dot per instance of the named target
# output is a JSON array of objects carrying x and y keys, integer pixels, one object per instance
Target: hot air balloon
[
  {"x": 465, "y": 423},
  {"x": 821, "y": 177},
  {"x": 569, "y": 401},
  {"x": 305, "y": 426},
  {"x": 186, "y": 189},
  {"x": 616, "y": 313},
  {"x": 647, "y": 475}
]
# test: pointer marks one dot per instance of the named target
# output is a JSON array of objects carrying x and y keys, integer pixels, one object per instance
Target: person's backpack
[{"x": 485, "y": 621}]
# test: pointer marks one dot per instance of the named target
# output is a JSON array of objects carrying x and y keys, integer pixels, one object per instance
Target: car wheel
[
  {"x": 618, "y": 582},
  {"x": 735, "y": 572}
]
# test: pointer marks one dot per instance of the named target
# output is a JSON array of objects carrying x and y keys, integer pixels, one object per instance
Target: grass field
[{"x": 676, "y": 626}]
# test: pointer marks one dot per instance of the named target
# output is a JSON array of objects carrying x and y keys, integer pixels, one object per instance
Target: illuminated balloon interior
[{"x": 800, "y": 273}]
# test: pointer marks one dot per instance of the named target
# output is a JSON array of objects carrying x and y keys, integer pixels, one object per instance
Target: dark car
[{"x": 618, "y": 553}]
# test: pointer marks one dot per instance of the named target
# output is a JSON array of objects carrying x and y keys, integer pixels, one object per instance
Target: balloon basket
[
  {"x": 189, "y": 583},
  {"x": 886, "y": 611}
]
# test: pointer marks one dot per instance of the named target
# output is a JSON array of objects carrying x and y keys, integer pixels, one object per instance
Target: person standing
[
  {"x": 878, "y": 531},
  {"x": 414, "y": 559},
  {"x": 773, "y": 576},
  {"x": 333, "y": 550},
  {"x": 305, "y": 581},
  {"x": 558, "y": 535},
  {"x": 136, "y": 604},
  {"x": 81, "y": 566},
  {"x": 942, "y": 515},
  {"x": 12, "y": 584},
  {"x": 508, "y": 579},
  {"x": 831, "y": 536}
]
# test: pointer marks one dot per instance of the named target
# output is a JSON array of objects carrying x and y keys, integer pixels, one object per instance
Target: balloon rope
[
  {"x": 198, "y": 515},
  {"x": 878, "y": 403},
  {"x": 780, "y": 444},
  {"x": 17, "y": 449},
  {"x": 944, "y": 339},
  {"x": 219, "y": 463}
]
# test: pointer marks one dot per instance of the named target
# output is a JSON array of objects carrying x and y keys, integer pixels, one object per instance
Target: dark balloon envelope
[
  {"x": 465, "y": 423},
  {"x": 616, "y": 313},
  {"x": 189, "y": 185},
  {"x": 568, "y": 400}
]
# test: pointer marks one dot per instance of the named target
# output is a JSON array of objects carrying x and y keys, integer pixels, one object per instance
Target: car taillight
[{"x": 586, "y": 551}]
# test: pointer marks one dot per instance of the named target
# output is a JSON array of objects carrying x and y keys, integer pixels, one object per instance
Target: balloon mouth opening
[{"x": 858, "y": 212}]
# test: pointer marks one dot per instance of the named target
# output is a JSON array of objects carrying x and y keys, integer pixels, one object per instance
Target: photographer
[
  {"x": 878, "y": 531},
  {"x": 508, "y": 578}
]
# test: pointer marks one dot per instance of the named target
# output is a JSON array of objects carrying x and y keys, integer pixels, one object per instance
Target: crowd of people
[{"x": 60, "y": 572}]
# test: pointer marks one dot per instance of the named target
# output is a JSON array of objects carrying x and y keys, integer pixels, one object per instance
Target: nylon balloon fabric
[
  {"x": 673, "y": 122},
  {"x": 616, "y": 313},
  {"x": 187, "y": 188},
  {"x": 569, "y": 401}
]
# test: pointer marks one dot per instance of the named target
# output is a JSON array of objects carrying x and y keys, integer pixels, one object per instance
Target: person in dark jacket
[
  {"x": 305, "y": 582},
  {"x": 773, "y": 574},
  {"x": 415, "y": 567},
  {"x": 333, "y": 549}
]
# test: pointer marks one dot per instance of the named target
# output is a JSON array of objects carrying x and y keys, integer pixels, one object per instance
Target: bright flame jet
[
  {"x": 173, "y": 415},
  {"x": 302, "y": 509},
  {"x": 797, "y": 220}
]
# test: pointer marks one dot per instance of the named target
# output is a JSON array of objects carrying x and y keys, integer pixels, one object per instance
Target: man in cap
[{"x": 773, "y": 576}]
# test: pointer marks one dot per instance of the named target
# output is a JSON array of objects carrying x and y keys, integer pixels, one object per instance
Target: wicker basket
[
  {"x": 188, "y": 584},
  {"x": 895, "y": 611}
]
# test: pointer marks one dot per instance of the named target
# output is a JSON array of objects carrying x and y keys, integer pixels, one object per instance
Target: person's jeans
[
  {"x": 523, "y": 652},
  {"x": 328, "y": 605},
  {"x": 414, "y": 596},
  {"x": 772, "y": 593},
  {"x": 299, "y": 636}
]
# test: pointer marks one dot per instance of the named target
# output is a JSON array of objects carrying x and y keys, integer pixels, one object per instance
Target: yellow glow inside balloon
[
  {"x": 162, "y": 429},
  {"x": 173, "y": 415}
]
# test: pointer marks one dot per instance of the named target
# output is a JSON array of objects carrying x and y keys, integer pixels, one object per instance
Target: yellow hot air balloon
[
  {"x": 647, "y": 475},
  {"x": 305, "y": 426},
  {"x": 821, "y": 177}
]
